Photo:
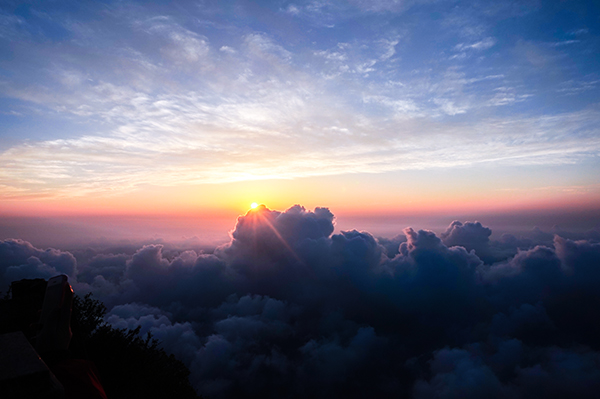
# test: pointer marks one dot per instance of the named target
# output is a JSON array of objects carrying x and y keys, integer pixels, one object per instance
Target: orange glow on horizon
[{"x": 346, "y": 195}]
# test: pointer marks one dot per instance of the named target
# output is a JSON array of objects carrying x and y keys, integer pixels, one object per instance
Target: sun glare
[{"x": 253, "y": 205}]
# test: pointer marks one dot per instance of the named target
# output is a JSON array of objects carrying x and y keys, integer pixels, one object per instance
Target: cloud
[
  {"x": 227, "y": 49},
  {"x": 528, "y": 323},
  {"x": 19, "y": 259},
  {"x": 149, "y": 100},
  {"x": 481, "y": 45},
  {"x": 533, "y": 53},
  {"x": 176, "y": 42},
  {"x": 551, "y": 371},
  {"x": 110, "y": 266},
  {"x": 262, "y": 46},
  {"x": 471, "y": 236},
  {"x": 385, "y": 5},
  {"x": 449, "y": 107},
  {"x": 457, "y": 374},
  {"x": 288, "y": 308}
]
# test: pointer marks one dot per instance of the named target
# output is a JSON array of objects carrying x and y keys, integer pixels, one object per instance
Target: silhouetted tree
[{"x": 130, "y": 366}]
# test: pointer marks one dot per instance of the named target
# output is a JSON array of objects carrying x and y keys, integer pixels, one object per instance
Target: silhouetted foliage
[
  {"x": 129, "y": 365},
  {"x": 88, "y": 315}
]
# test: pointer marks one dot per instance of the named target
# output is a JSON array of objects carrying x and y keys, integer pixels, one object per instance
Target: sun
[{"x": 253, "y": 205}]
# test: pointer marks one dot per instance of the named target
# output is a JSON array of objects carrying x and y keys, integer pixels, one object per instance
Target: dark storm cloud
[{"x": 289, "y": 309}]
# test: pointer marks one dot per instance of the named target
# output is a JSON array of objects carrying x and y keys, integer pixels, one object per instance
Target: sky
[
  {"x": 378, "y": 109},
  {"x": 426, "y": 175}
]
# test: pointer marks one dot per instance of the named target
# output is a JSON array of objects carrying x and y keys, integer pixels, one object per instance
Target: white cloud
[
  {"x": 261, "y": 45},
  {"x": 384, "y": 5},
  {"x": 572, "y": 87},
  {"x": 292, "y": 9},
  {"x": 481, "y": 45},
  {"x": 175, "y": 41},
  {"x": 227, "y": 49},
  {"x": 450, "y": 107},
  {"x": 185, "y": 139},
  {"x": 9, "y": 25},
  {"x": 401, "y": 106},
  {"x": 564, "y": 43},
  {"x": 162, "y": 106},
  {"x": 331, "y": 55},
  {"x": 390, "y": 48}
]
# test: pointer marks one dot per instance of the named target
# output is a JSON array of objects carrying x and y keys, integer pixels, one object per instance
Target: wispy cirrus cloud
[
  {"x": 187, "y": 139},
  {"x": 481, "y": 45},
  {"x": 165, "y": 99}
]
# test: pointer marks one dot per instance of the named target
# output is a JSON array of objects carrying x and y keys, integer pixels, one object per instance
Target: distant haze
[{"x": 209, "y": 231}]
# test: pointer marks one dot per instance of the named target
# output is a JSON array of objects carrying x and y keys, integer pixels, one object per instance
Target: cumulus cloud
[
  {"x": 457, "y": 374},
  {"x": 473, "y": 236},
  {"x": 287, "y": 308},
  {"x": 19, "y": 259}
]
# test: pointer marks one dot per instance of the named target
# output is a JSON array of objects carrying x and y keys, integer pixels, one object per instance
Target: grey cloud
[
  {"x": 287, "y": 308},
  {"x": 19, "y": 259},
  {"x": 457, "y": 374}
]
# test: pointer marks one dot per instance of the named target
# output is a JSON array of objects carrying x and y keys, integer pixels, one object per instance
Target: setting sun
[{"x": 253, "y": 205}]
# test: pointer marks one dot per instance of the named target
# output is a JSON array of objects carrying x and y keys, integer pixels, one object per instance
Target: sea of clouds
[{"x": 289, "y": 309}]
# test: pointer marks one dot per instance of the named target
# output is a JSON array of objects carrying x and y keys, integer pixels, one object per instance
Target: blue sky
[{"x": 115, "y": 97}]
